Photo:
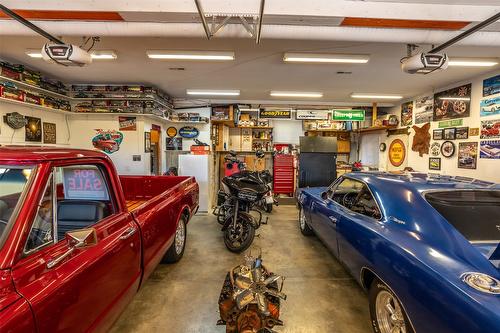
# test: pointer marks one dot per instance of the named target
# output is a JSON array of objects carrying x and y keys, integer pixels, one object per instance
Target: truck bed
[{"x": 138, "y": 190}]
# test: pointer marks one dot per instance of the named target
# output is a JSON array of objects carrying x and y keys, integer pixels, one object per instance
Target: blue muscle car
[{"x": 426, "y": 248}]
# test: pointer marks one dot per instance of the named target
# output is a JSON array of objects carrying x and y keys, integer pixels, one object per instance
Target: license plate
[{"x": 269, "y": 200}]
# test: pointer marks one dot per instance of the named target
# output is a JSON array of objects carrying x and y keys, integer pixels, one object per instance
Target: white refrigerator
[{"x": 199, "y": 167}]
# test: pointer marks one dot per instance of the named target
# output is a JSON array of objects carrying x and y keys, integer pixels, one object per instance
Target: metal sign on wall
[
  {"x": 275, "y": 114},
  {"x": 15, "y": 120},
  {"x": 348, "y": 115},
  {"x": 312, "y": 115}
]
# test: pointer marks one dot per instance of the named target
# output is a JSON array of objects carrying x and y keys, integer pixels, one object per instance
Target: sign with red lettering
[{"x": 82, "y": 183}]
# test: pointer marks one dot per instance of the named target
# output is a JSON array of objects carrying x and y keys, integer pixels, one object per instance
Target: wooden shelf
[
  {"x": 187, "y": 122},
  {"x": 34, "y": 106},
  {"x": 375, "y": 129},
  {"x": 257, "y": 127},
  {"x": 257, "y": 139},
  {"x": 228, "y": 123},
  {"x": 30, "y": 86},
  {"x": 328, "y": 130}
]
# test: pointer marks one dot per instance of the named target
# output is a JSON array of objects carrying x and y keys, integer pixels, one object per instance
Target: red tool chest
[{"x": 284, "y": 174}]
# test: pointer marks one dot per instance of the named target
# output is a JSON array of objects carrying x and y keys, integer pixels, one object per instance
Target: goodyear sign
[{"x": 275, "y": 114}]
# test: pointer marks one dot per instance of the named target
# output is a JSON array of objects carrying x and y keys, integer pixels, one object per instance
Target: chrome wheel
[
  {"x": 180, "y": 237},
  {"x": 390, "y": 317},
  {"x": 302, "y": 220}
]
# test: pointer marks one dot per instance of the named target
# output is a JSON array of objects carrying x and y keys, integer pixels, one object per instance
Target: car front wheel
[
  {"x": 305, "y": 229},
  {"x": 387, "y": 313}
]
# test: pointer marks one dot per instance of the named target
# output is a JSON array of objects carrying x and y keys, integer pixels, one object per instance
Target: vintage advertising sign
[
  {"x": 423, "y": 109},
  {"x": 467, "y": 155},
  {"x": 189, "y": 132},
  {"x": 490, "y": 106},
  {"x": 450, "y": 123},
  {"x": 49, "y": 133},
  {"x": 490, "y": 129},
  {"x": 127, "y": 123},
  {"x": 312, "y": 115},
  {"x": 348, "y": 115},
  {"x": 452, "y": 103},
  {"x": 171, "y": 132},
  {"x": 397, "y": 152},
  {"x": 108, "y": 141},
  {"x": 491, "y": 86},
  {"x": 490, "y": 149},
  {"x": 15, "y": 120},
  {"x": 84, "y": 183},
  {"x": 275, "y": 114}
]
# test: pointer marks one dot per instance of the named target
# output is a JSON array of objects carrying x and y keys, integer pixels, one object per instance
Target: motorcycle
[{"x": 240, "y": 193}]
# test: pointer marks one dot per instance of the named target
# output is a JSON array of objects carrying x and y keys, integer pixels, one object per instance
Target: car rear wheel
[
  {"x": 176, "y": 250},
  {"x": 304, "y": 228},
  {"x": 387, "y": 313}
]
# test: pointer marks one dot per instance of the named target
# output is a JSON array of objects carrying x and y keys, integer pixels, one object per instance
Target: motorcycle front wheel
[{"x": 238, "y": 238}]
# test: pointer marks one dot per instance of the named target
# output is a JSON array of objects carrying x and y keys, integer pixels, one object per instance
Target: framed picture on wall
[
  {"x": 437, "y": 134},
  {"x": 434, "y": 163},
  {"x": 33, "y": 129},
  {"x": 449, "y": 133},
  {"x": 467, "y": 155},
  {"x": 49, "y": 133},
  {"x": 462, "y": 133},
  {"x": 147, "y": 142}
]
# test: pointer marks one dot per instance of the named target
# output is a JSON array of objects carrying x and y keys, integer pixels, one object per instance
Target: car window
[
  {"x": 41, "y": 232},
  {"x": 76, "y": 197},
  {"x": 355, "y": 196},
  {"x": 83, "y": 198}
]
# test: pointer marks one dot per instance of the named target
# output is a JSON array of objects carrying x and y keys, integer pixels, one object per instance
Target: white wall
[
  {"x": 487, "y": 169},
  {"x": 287, "y": 131}
]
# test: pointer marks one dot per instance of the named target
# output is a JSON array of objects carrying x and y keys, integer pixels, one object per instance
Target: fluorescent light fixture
[
  {"x": 375, "y": 96},
  {"x": 455, "y": 98},
  {"x": 103, "y": 55},
  {"x": 97, "y": 55},
  {"x": 326, "y": 58},
  {"x": 190, "y": 55},
  {"x": 473, "y": 62},
  {"x": 34, "y": 53},
  {"x": 213, "y": 92},
  {"x": 296, "y": 94},
  {"x": 246, "y": 109}
]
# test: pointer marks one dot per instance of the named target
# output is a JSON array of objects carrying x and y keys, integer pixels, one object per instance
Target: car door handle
[
  {"x": 333, "y": 219},
  {"x": 128, "y": 233}
]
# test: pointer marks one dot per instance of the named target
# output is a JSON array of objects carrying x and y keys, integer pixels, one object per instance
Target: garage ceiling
[{"x": 381, "y": 29}]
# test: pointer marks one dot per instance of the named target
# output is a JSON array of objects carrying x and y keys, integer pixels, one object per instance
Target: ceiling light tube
[
  {"x": 455, "y": 98},
  {"x": 103, "y": 55},
  {"x": 34, "y": 53},
  {"x": 375, "y": 96},
  {"x": 190, "y": 55},
  {"x": 473, "y": 62},
  {"x": 296, "y": 94},
  {"x": 211, "y": 92},
  {"x": 326, "y": 58}
]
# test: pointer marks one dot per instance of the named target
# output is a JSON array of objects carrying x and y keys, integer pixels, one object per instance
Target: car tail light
[{"x": 482, "y": 282}]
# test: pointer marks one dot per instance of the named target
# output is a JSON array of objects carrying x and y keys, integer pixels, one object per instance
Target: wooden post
[{"x": 374, "y": 116}]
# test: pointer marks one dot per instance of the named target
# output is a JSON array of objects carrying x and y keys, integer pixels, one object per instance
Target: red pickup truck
[{"x": 77, "y": 241}]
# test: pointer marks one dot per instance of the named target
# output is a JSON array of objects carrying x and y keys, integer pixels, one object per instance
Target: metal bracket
[{"x": 251, "y": 22}]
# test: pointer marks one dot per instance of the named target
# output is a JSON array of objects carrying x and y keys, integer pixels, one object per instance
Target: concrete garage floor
[{"x": 322, "y": 297}]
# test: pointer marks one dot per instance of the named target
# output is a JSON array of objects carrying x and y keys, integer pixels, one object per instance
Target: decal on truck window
[{"x": 84, "y": 183}]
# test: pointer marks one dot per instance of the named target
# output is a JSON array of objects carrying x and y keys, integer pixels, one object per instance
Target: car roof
[
  {"x": 40, "y": 154},
  {"x": 419, "y": 181}
]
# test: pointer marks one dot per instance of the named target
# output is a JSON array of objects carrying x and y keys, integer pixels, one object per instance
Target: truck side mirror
[{"x": 77, "y": 239}]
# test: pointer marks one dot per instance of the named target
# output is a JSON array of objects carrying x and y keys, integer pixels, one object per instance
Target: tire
[
  {"x": 269, "y": 208},
  {"x": 305, "y": 229},
  {"x": 381, "y": 298},
  {"x": 176, "y": 250},
  {"x": 235, "y": 246}
]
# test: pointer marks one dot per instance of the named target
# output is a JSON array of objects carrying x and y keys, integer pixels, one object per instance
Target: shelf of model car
[
  {"x": 375, "y": 129},
  {"x": 23, "y": 84}
]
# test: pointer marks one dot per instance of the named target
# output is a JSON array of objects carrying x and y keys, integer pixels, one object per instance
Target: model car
[
  {"x": 77, "y": 241},
  {"x": 425, "y": 247}
]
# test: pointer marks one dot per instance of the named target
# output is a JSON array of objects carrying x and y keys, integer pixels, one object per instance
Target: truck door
[{"x": 87, "y": 288}]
